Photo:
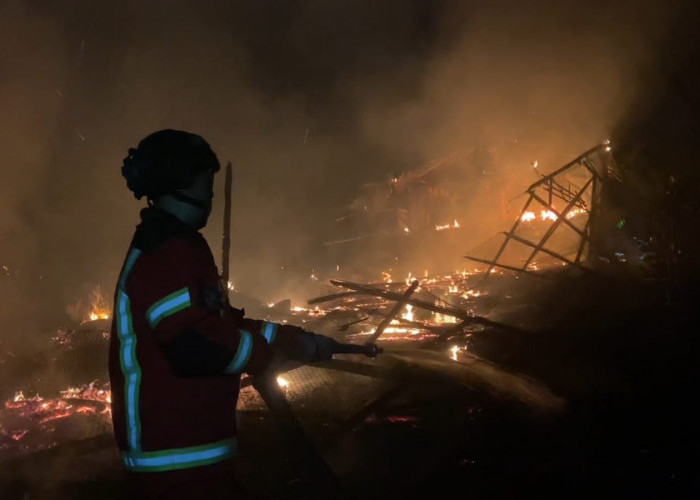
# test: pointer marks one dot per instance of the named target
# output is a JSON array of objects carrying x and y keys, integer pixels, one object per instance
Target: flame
[
  {"x": 574, "y": 212},
  {"x": 282, "y": 382},
  {"x": 548, "y": 214},
  {"x": 453, "y": 352},
  {"x": 454, "y": 225},
  {"x": 408, "y": 315},
  {"x": 99, "y": 308},
  {"x": 444, "y": 318}
]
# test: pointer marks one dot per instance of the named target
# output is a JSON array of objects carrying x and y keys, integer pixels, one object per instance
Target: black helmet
[{"x": 165, "y": 161}]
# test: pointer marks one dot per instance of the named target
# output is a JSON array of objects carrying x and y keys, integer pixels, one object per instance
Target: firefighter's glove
[
  {"x": 302, "y": 346},
  {"x": 325, "y": 348},
  {"x": 264, "y": 361}
]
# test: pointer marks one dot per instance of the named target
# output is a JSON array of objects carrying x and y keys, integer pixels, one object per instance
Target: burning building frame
[{"x": 559, "y": 221}]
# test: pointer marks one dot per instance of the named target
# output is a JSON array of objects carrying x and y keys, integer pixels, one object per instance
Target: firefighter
[{"x": 177, "y": 349}]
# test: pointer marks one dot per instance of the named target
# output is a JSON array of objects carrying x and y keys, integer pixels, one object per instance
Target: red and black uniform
[{"x": 176, "y": 353}]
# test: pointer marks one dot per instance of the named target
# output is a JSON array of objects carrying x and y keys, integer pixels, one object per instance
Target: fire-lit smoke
[{"x": 308, "y": 100}]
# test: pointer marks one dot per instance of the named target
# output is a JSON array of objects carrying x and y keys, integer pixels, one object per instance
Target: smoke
[{"x": 308, "y": 99}]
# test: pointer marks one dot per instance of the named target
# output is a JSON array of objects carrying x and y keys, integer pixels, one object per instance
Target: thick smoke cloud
[{"x": 307, "y": 99}]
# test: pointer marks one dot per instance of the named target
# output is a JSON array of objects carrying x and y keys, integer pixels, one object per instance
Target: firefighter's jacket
[{"x": 176, "y": 354}]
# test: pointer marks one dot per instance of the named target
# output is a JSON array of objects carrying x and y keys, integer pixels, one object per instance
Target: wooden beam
[{"x": 547, "y": 251}]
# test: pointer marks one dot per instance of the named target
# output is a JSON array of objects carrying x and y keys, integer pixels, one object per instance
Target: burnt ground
[{"x": 619, "y": 350}]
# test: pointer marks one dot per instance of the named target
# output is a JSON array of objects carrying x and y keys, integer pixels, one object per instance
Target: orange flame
[{"x": 99, "y": 308}]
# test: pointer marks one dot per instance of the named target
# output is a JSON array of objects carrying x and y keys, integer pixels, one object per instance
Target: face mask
[{"x": 199, "y": 196}]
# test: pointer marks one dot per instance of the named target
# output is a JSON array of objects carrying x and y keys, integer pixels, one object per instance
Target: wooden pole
[{"x": 226, "y": 239}]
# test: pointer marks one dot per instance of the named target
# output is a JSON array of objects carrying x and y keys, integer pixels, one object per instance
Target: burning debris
[{"x": 29, "y": 424}]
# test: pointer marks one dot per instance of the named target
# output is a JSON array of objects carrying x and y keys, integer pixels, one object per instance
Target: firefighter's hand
[
  {"x": 325, "y": 347},
  {"x": 302, "y": 346},
  {"x": 265, "y": 360}
]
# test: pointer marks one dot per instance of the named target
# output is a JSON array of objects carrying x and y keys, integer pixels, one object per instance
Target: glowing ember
[
  {"x": 17, "y": 435},
  {"x": 31, "y": 423}
]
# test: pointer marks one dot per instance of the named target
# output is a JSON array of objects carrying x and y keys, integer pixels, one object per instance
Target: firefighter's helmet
[{"x": 165, "y": 161}]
